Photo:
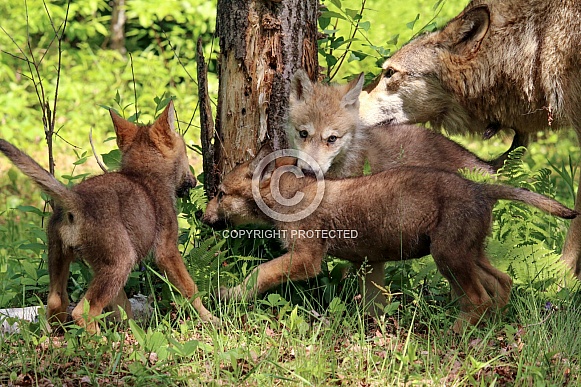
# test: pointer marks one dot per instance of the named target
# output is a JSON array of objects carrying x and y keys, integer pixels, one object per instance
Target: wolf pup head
[
  {"x": 280, "y": 185},
  {"x": 132, "y": 139},
  {"x": 323, "y": 119},
  {"x": 234, "y": 203}
]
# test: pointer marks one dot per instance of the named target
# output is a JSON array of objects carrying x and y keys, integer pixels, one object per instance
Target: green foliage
[
  {"x": 361, "y": 34},
  {"x": 161, "y": 51}
]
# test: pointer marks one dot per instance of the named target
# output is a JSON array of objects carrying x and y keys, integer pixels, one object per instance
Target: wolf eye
[
  {"x": 332, "y": 139},
  {"x": 220, "y": 195},
  {"x": 389, "y": 72},
  {"x": 303, "y": 134}
]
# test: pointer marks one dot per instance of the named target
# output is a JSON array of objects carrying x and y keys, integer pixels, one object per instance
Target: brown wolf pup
[
  {"x": 113, "y": 220},
  {"x": 324, "y": 123},
  {"x": 498, "y": 65},
  {"x": 401, "y": 213}
]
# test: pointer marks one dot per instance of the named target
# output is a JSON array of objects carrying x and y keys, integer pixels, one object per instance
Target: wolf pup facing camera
[
  {"x": 324, "y": 123},
  {"x": 512, "y": 64},
  {"x": 401, "y": 213},
  {"x": 113, "y": 220}
]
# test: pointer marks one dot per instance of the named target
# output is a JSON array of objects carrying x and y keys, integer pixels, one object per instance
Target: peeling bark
[{"x": 262, "y": 43}]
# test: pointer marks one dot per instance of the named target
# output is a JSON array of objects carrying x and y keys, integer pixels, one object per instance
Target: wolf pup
[
  {"x": 498, "y": 65},
  {"x": 113, "y": 220},
  {"x": 324, "y": 123},
  {"x": 415, "y": 211}
]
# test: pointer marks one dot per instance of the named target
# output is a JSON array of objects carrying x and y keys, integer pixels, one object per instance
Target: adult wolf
[{"x": 499, "y": 65}]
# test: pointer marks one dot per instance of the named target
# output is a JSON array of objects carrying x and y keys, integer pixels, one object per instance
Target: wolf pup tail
[
  {"x": 51, "y": 186},
  {"x": 551, "y": 206}
]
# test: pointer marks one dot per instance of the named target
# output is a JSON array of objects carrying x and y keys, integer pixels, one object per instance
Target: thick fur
[
  {"x": 324, "y": 121},
  {"x": 320, "y": 111},
  {"x": 388, "y": 146},
  {"x": 401, "y": 213},
  {"x": 113, "y": 220},
  {"x": 498, "y": 65}
]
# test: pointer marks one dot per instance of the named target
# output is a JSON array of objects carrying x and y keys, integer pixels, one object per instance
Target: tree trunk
[
  {"x": 262, "y": 44},
  {"x": 118, "y": 19}
]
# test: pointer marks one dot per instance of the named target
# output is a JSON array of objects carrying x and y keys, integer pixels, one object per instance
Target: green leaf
[
  {"x": 393, "y": 39},
  {"x": 324, "y": 23},
  {"x": 365, "y": 25},
  {"x": 329, "y": 32},
  {"x": 338, "y": 42},
  {"x": 138, "y": 333},
  {"x": 437, "y": 4},
  {"x": 353, "y": 57},
  {"x": 35, "y": 247},
  {"x": 112, "y": 159},
  {"x": 32, "y": 209},
  {"x": 337, "y": 306},
  {"x": 336, "y": 3},
  {"x": 134, "y": 117},
  {"x": 431, "y": 27},
  {"x": 331, "y": 14},
  {"x": 411, "y": 24},
  {"x": 331, "y": 60},
  {"x": 80, "y": 161},
  {"x": 352, "y": 13}
]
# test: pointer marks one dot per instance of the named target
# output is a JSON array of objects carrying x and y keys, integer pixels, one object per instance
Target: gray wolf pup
[
  {"x": 113, "y": 220},
  {"x": 498, "y": 65},
  {"x": 400, "y": 213},
  {"x": 324, "y": 123}
]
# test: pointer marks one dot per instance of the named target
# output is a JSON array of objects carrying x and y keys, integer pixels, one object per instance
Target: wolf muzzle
[{"x": 185, "y": 186}]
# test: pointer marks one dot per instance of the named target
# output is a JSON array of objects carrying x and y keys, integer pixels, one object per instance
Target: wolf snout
[
  {"x": 188, "y": 183},
  {"x": 213, "y": 221}
]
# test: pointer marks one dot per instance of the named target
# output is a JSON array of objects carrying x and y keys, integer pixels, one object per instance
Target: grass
[
  {"x": 289, "y": 344},
  {"x": 311, "y": 333}
]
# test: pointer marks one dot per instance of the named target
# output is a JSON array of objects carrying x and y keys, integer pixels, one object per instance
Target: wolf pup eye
[
  {"x": 303, "y": 134},
  {"x": 220, "y": 195},
  {"x": 331, "y": 139},
  {"x": 389, "y": 72}
]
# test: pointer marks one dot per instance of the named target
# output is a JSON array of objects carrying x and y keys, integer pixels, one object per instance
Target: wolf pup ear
[
  {"x": 124, "y": 130},
  {"x": 264, "y": 151},
  {"x": 351, "y": 97},
  {"x": 163, "y": 131},
  {"x": 301, "y": 87},
  {"x": 466, "y": 32}
]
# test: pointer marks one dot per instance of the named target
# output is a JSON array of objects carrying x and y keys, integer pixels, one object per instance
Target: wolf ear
[
  {"x": 124, "y": 130},
  {"x": 267, "y": 170},
  {"x": 351, "y": 98},
  {"x": 163, "y": 132},
  {"x": 264, "y": 151},
  {"x": 466, "y": 32},
  {"x": 301, "y": 87}
]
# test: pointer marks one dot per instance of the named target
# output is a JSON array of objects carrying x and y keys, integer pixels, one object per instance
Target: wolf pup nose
[{"x": 114, "y": 220}]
